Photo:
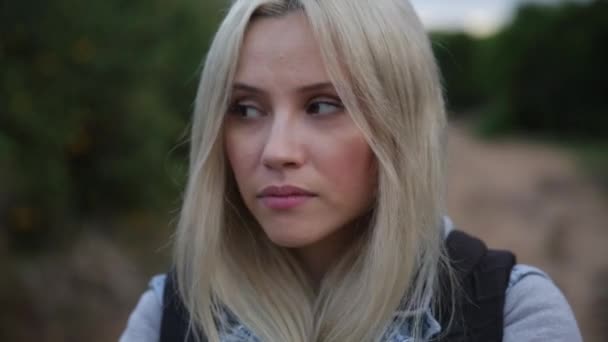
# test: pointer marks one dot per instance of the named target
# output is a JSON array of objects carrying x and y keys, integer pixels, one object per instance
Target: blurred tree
[
  {"x": 93, "y": 97},
  {"x": 456, "y": 56},
  {"x": 544, "y": 73}
]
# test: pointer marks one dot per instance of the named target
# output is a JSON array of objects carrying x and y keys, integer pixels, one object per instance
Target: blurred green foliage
[
  {"x": 456, "y": 54},
  {"x": 94, "y": 101},
  {"x": 95, "y": 98},
  {"x": 543, "y": 74}
]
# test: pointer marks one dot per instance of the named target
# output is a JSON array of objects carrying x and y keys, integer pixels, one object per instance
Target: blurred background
[{"x": 95, "y": 100}]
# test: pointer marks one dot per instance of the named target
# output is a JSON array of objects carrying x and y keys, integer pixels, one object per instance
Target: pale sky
[{"x": 478, "y": 17}]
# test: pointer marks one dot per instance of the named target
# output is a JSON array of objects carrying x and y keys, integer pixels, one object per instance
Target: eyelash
[
  {"x": 338, "y": 106},
  {"x": 236, "y": 108}
]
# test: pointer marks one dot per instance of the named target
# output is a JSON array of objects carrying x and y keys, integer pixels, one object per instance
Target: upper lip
[{"x": 283, "y": 191}]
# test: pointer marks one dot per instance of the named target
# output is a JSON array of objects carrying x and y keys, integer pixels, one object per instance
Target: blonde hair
[{"x": 380, "y": 61}]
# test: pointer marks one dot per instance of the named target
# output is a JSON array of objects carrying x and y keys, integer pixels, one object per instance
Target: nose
[{"x": 283, "y": 148}]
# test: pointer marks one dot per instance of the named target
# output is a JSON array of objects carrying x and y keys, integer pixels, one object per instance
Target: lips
[
  {"x": 284, "y": 191},
  {"x": 284, "y": 197}
]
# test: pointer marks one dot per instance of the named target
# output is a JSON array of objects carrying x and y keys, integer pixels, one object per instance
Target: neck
[{"x": 318, "y": 258}]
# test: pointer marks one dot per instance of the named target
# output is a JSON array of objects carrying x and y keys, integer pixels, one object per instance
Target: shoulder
[
  {"x": 144, "y": 321},
  {"x": 536, "y": 310}
]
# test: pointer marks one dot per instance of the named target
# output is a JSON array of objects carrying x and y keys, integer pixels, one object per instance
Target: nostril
[
  {"x": 284, "y": 155},
  {"x": 280, "y": 162}
]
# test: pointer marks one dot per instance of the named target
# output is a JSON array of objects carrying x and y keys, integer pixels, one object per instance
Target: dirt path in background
[
  {"x": 515, "y": 195},
  {"x": 533, "y": 200}
]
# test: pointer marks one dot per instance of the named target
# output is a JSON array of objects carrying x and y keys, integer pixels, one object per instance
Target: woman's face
[{"x": 302, "y": 166}]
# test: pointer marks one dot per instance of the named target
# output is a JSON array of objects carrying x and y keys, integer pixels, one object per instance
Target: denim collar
[{"x": 399, "y": 331}]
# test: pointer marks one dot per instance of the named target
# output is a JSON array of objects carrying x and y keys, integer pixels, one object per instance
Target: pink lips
[{"x": 284, "y": 197}]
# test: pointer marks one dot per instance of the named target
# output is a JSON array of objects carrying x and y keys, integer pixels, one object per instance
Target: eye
[
  {"x": 324, "y": 107},
  {"x": 245, "y": 111}
]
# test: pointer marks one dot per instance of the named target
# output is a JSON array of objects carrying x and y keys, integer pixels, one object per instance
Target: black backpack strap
[
  {"x": 483, "y": 277},
  {"x": 175, "y": 319}
]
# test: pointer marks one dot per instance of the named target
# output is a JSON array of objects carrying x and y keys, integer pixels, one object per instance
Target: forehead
[{"x": 283, "y": 46}]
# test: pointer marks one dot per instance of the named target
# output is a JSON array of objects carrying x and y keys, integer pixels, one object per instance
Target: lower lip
[{"x": 284, "y": 202}]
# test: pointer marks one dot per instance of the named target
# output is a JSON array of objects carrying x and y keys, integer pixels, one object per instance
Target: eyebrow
[{"x": 304, "y": 89}]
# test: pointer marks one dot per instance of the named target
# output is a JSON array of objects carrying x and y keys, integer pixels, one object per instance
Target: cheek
[
  {"x": 350, "y": 169},
  {"x": 241, "y": 153}
]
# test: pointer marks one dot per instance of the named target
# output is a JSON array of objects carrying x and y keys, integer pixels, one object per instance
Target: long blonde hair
[{"x": 380, "y": 61}]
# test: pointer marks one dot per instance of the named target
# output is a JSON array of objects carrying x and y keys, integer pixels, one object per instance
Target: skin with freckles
[{"x": 286, "y": 126}]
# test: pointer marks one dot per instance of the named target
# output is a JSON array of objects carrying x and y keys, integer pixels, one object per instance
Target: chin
[{"x": 292, "y": 238}]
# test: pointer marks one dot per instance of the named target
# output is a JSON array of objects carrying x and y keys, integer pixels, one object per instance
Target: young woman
[{"x": 314, "y": 206}]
